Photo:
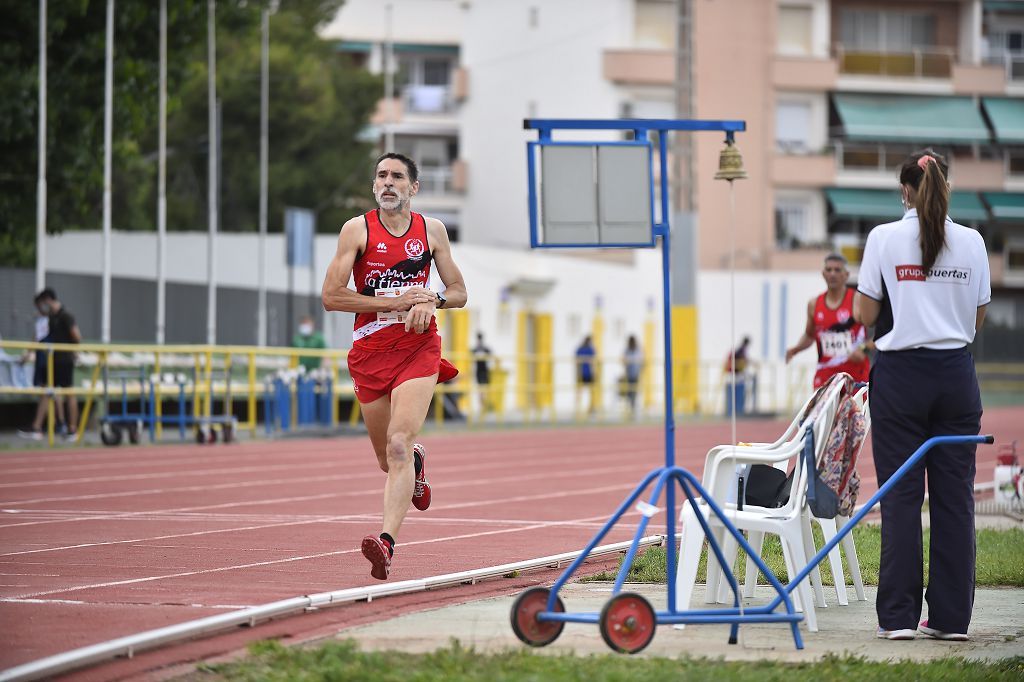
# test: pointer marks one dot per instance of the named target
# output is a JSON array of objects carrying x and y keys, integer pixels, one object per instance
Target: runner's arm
[
  {"x": 447, "y": 270},
  {"x": 866, "y": 309},
  {"x": 337, "y": 296},
  {"x": 807, "y": 338}
]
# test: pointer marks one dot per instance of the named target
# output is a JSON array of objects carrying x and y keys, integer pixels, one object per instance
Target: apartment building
[{"x": 856, "y": 85}]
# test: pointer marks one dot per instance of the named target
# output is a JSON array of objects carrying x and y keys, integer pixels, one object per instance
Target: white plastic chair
[
  {"x": 829, "y": 529},
  {"x": 785, "y": 521}
]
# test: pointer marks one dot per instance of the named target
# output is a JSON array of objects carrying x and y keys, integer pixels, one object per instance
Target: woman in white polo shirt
[{"x": 924, "y": 285}]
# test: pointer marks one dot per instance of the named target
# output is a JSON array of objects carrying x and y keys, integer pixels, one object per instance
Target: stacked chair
[{"x": 791, "y": 521}]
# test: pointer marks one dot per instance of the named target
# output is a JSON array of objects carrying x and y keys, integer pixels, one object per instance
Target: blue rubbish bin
[{"x": 741, "y": 397}]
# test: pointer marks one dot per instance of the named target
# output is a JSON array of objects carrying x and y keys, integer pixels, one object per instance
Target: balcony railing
[
  {"x": 1013, "y": 63},
  {"x": 871, "y": 157},
  {"x": 918, "y": 63},
  {"x": 437, "y": 180},
  {"x": 428, "y": 99}
]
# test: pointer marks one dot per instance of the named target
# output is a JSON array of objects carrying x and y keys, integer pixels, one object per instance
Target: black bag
[{"x": 766, "y": 486}]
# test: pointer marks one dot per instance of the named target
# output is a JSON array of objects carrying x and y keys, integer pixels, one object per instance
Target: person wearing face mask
[
  {"x": 924, "y": 285},
  {"x": 395, "y": 360},
  {"x": 308, "y": 337}
]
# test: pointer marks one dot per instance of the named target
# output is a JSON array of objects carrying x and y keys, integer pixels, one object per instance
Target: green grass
[
  {"x": 271, "y": 662},
  {"x": 1000, "y": 559}
]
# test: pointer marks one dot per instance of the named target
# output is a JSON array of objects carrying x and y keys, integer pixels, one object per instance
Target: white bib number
[
  {"x": 836, "y": 344},
  {"x": 392, "y": 316}
]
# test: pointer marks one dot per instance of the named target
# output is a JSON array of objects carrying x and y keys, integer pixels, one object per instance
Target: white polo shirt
[{"x": 936, "y": 309}]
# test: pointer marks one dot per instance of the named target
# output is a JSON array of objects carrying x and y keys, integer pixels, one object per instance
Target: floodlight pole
[
  {"x": 261, "y": 315},
  {"x": 161, "y": 199},
  {"x": 41, "y": 132},
  {"x": 213, "y": 142},
  {"x": 108, "y": 140}
]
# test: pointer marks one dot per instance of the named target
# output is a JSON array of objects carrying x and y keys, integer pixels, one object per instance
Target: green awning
[
  {"x": 1006, "y": 205},
  {"x": 966, "y": 207},
  {"x": 885, "y": 204},
  {"x": 906, "y": 118},
  {"x": 1003, "y": 5},
  {"x": 865, "y": 203},
  {"x": 1007, "y": 116}
]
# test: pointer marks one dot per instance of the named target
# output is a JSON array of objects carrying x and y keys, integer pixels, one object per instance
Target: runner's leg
[
  {"x": 377, "y": 416},
  {"x": 409, "y": 403}
]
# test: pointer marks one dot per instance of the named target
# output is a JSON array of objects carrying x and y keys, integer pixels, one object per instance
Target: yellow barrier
[{"x": 540, "y": 387}]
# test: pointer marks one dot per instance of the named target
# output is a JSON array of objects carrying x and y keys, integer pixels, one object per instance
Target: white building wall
[
  {"x": 528, "y": 59},
  {"x": 433, "y": 22}
]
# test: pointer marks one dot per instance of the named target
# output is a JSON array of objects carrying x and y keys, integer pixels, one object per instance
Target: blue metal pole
[
  {"x": 879, "y": 494},
  {"x": 627, "y": 563},
  {"x": 670, "y": 418},
  {"x": 597, "y": 538}
]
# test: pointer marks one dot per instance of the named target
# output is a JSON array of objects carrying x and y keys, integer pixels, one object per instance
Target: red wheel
[
  {"x": 627, "y": 623},
  {"x": 524, "y": 617}
]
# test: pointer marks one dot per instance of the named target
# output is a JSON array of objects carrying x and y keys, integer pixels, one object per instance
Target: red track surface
[{"x": 101, "y": 543}]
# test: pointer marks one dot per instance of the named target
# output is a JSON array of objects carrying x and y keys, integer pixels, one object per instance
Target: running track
[{"x": 100, "y": 543}]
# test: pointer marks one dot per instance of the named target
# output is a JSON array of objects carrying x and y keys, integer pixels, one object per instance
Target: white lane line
[
  {"x": 492, "y": 482},
  {"x": 350, "y": 518},
  {"x": 543, "y": 455},
  {"x": 273, "y": 562},
  {"x": 278, "y": 482},
  {"x": 79, "y": 602}
]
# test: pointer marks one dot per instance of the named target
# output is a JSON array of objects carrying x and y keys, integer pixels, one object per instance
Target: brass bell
[{"x": 730, "y": 163}]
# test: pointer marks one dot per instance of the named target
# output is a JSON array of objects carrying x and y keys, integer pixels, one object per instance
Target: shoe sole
[
  {"x": 377, "y": 557},
  {"x": 943, "y": 636},
  {"x": 898, "y": 635},
  {"x": 416, "y": 501}
]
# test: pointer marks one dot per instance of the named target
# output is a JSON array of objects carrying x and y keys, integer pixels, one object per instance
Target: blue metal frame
[{"x": 666, "y": 478}]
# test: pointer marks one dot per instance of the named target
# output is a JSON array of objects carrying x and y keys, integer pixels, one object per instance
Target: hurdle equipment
[{"x": 601, "y": 194}]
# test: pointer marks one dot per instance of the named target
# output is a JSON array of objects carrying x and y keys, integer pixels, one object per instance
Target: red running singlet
[
  {"x": 838, "y": 335},
  {"x": 388, "y": 261}
]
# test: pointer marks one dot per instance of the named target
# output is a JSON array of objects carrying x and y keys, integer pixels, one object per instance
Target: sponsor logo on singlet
[
  {"x": 382, "y": 247},
  {"x": 414, "y": 249},
  {"x": 946, "y": 274}
]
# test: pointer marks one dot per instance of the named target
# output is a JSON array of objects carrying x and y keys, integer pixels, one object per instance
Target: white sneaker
[
  {"x": 905, "y": 633},
  {"x": 939, "y": 634},
  {"x": 31, "y": 434}
]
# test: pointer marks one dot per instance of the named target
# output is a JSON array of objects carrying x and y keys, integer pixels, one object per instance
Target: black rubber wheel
[
  {"x": 528, "y": 629},
  {"x": 627, "y": 623},
  {"x": 109, "y": 434}
]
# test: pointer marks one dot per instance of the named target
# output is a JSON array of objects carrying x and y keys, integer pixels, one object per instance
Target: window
[
  {"x": 792, "y": 220},
  {"x": 426, "y": 82},
  {"x": 794, "y": 30},
  {"x": 886, "y": 31},
  {"x": 655, "y": 24},
  {"x": 792, "y": 126},
  {"x": 1015, "y": 161}
]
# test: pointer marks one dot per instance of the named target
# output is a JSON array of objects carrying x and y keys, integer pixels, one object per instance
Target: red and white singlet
[
  {"x": 388, "y": 262},
  {"x": 838, "y": 335}
]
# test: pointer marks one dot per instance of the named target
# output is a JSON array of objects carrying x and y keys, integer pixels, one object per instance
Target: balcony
[
  {"x": 930, "y": 63},
  {"x": 1012, "y": 65},
  {"x": 428, "y": 99},
  {"x": 640, "y": 67}
]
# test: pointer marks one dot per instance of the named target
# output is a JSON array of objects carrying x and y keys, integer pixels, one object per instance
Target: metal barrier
[{"x": 194, "y": 378}]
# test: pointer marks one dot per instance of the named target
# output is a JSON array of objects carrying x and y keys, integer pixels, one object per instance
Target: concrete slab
[{"x": 997, "y": 630}]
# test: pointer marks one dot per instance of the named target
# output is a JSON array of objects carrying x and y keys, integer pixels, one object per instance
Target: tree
[{"x": 318, "y": 104}]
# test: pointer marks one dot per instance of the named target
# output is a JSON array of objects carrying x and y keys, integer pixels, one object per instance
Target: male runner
[
  {"x": 841, "y": 340},
  {"x": 395, "y": 360}
]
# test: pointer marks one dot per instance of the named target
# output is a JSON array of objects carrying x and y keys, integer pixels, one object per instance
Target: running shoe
[
  {"x": 421, "y": 493},
  {"x": 378, "y": 555},
  {"x": 30, "y": 434},
  {"x": 905, "y": 633},
  {"x": 939, "y": 634}
]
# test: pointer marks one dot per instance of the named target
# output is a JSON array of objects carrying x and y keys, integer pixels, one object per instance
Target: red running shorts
[{"x": 377, "y": 373}]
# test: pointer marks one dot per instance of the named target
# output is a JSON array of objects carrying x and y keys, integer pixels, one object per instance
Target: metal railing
[
  {"x": 933, "y": 62},
  {"x": 230, "y": 375},
  {"x": 1012, "y": 62}
]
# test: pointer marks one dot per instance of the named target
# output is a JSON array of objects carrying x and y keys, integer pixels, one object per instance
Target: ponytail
[{"x": 926, "y": 173}]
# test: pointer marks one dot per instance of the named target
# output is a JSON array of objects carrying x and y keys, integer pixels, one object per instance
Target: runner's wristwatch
[{"x": 441, "y": 300}]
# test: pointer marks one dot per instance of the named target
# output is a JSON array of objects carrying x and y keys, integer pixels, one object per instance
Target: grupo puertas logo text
[{"x": 950, "y": 274}]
